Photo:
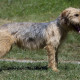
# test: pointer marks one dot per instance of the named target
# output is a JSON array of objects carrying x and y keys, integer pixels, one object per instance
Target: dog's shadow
[{"x": 26, "y": 68}]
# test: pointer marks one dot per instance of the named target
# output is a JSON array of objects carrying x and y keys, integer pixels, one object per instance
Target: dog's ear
[{"x": 64, "y": 14}]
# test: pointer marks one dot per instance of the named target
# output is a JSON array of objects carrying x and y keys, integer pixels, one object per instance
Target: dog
[{"x": 47, "y": 35}]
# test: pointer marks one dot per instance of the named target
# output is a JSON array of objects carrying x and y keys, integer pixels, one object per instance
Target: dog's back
[{"x": 28, "y": 35}]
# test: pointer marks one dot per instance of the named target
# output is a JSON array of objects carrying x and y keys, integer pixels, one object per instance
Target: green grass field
[{"x": 39, "y": 11}]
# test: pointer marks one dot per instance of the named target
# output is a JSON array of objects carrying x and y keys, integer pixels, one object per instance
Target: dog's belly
[{"x": 31, "y": 42}]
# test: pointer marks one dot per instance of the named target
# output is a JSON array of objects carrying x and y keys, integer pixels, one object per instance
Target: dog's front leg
[{"x": 52, "y": 57}]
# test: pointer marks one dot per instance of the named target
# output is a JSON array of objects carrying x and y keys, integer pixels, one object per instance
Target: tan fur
[
  {"x": 52, "y": 57},
  {"x": 6, "y": 40}
]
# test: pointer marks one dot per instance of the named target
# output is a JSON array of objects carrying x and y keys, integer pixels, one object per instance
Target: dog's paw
[{"x": 55, "y": 70}]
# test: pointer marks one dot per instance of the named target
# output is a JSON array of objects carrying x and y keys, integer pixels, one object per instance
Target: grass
[
  {"x": 38, "y": 71},
  {"x": 39, "y": 11},
  {"x": 34, "y": 10}
]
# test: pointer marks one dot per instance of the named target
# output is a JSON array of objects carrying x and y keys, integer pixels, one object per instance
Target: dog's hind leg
[
  {"x": 52, "y": 58},
  {"x": 4, "y": 48},
  {"x": 6, "y": 41}
]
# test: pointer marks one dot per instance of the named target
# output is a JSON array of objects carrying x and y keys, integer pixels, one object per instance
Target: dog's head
[{"x": 71, "y": 18}]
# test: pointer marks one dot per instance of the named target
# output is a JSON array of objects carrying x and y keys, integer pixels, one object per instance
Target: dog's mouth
[{"x": 77, "y": 27}]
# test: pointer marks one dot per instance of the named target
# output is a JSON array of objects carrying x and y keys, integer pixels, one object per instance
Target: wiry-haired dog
[{"x": 40, "y": 35}]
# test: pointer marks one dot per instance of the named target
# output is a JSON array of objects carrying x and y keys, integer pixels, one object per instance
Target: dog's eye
[{"x": 76, "y": 15}]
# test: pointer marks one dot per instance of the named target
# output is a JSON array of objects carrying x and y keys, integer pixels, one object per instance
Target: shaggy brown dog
[{"x": 39, "y": 35}]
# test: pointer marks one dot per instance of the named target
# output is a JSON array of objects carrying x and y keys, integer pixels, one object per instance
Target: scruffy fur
[{"x": 40, "y": 35}]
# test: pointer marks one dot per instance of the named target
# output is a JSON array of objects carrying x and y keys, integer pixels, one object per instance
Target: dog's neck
[{"x": 63, "y": 27}]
